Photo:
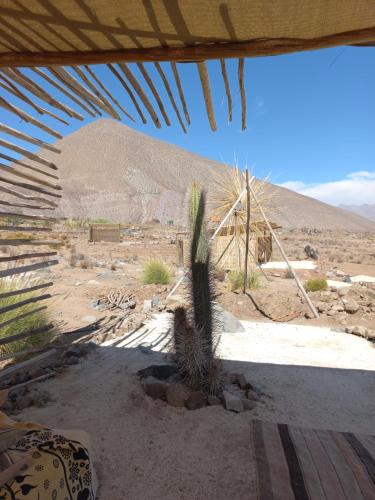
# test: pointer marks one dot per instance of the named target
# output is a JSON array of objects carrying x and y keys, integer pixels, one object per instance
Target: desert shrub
[
  {"x": 236, "y": 280},
  {"x": 316, "y": 285},
  {"x": 101, "y": 220},
  {"x": 34, "y": 321},
  {"x": 113, "y": 267},
  {"x": 85, "y": 264},
  {"x": 155, "y": 271}
]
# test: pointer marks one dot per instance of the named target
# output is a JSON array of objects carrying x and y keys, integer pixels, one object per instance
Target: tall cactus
[{"x": 201, "y": 288}]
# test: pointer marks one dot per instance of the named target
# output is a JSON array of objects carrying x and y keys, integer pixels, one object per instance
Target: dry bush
[
  {"x": 236, "y": 280},
  {"x": 113, "y": 267},
  {"x": 316, "y": 285},
  {"x": 156, "y": 272},
  {"x": 85, "y": 264}
]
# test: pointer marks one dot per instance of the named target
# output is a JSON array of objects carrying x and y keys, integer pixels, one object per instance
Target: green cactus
[{"x": 201, "y": 288}]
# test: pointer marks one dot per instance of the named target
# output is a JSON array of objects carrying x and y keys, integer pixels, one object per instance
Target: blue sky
[{"x": 310, "y": 120}]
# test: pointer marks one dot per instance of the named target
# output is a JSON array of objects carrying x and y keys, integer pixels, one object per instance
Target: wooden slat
[
  {"x": 107, "y": 92},
  {"x": 64, "y": 91},
  {"x": 154, "y": 92},
  {"x": 24, "y": 335},
  {"x": 170, "y": 95},
  {"x": 25, "y": 229},
  {"x": 128, "y": 90},
  {"x": 23, "y": 196},
  {"x": 28, "y": 138},
  {"x": 24, "y": 205},
  {"x": 11, "y": 170},
  {"x": 28, "y": 216},
  {"x": 25, "y": 165},
  {"x": 189, "y": 53},
  {"x": 28, "y": 154},
  {"x": 13, "y": 242},
  {"x": 21, "y": 316},
  {"x": 30, "y": 289},
  {"x": 143, "y": 97},
  {"x": 28, "y": 268},
  {"x": 241, "y": 83},
  {"x": 180, "y": 91},
  {"x": 206, "y": 88},
  {"x": 28, "y": 118},
  {"x": 35, "y": 89},
  {"x": 59, "y": 73},
  {"x": 22, "y": 303},
  {"x": 108, "y": 107},
  {"x": 24, "y": 256},
  {"x": 227, "y": 88},
  {"x": 31, "y": 187}
]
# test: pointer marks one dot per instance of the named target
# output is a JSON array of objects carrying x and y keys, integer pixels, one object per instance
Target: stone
[
  {"x": 24, "y": 402},
  {"x": 161, "y": 372},
  {"x": 227, "y": 321},
  {"x": 248, "y": 405},
  {"x": 350, "y": 306},
  {"x": 155, "y": 388},
  {"x": 177, "y": 395},
  {"x": 147, "y": 305},
  {"x": 370, "y": 334},
  {"x": 252, "y": 395},
  {"x": 232, "y": 402},
  {"x": 311, "y": 252},
  {"x": 361, "y": 331},
  {"x": 340, "y": 273},
  {"x": 343, "y": 291},
  {"x": 243, "y": 382},
  {"x": 196, "y": 400},
  {"x": 213, "y": 400},
  {"x": 72, "y": 360},
  {"x": 73, "y": 351},
  {"x": 88, "y": 319}
]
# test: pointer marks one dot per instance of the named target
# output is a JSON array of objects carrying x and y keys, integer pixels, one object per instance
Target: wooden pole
[
  {"x": 247, "y": 229},
  {"x": 299, "y": 284}
]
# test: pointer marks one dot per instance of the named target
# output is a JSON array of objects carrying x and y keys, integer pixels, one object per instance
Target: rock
[
  {"x": 343, "y": 291},
  {"x": 90, "y": 282},
  {"x": 161, "y": 372},
  {"x": 24, "y": 402},
  {"x": 15, "y": 394},
  {"x": 340, "y": 273},
  {"x": 248, "y": 405},
  {"x": 177, "y": 395},
  {"x": 72, "y": 360},
  {"x": 227, "y": 321},
  {"x": 213, "y": 400},
  {"x": 370, "y": 334},
  {"x": 7, "y": 406},
  {"x": 145, "y": 350},
  {"x": 360, "y": 331},
  {"x": 37, "y": 372},
  {"x": 88, "y": 319},
  {"x": 72, "y": 351},
  {"x": 196, "y": 400},
  {"x": 147, "y": 305},
  {"x": 252, "y": 395},
  {"x": 350, "y": 306},
  {"x": 155, "y": 388},
  {"x": 232, "y": 402},
  {"x": 311, "y": 252},
  {"x": 243, "y": 382}
]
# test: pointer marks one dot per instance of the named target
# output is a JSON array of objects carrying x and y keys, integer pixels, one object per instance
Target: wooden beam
[
  {"x": 154, "y": 92},
  {"x": 206, "y": 88},
  {"x": 190, "y": 53},
  {"x": 25, "y": 229},
  {"x": 28, "y": 118},
  {"x": 13, "y": 242},
  {"x": 180, "y": 91},
  {"x": 11, "y": 170},
  {"x": 170, "y": 94},
  {"x": 25, "y": 256},
  {"x": 21, "y": 316},
  {"x": 227, "y": 88},
  {"x": 28, "y": 217},
  {"x": 28, "y": 268},
  {"x": 24, "y": 335},
  {"x": 21, "y": 303},
  {"x": 247, "y": 229},
  {"x": 25, "y": 165},
  {"x": 31, "y": 187},
  {"x": 28, "y": 154},
  {"x": 143, "y": 97},
  {"x": 29, "y": 362},
  {"x": 23, "y": 196},
  {"x": 241, "y": 83},
  {"x": 28, "y": 138}
]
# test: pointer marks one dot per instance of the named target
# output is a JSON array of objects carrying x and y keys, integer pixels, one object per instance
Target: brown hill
[{"x": 110, "y": 170}]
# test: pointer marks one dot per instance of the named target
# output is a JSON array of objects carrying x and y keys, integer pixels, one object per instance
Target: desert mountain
[
  {"x": 367, "y": 210},
  {"x": 110, "y": 170}
]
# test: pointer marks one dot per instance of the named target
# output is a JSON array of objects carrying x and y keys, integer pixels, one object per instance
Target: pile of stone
[{"x": 163, "y": 382}]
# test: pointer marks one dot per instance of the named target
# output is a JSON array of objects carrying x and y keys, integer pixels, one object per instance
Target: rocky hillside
[
  {"x": 367, "y": 210},
  {"x": 111, "y": 171}
]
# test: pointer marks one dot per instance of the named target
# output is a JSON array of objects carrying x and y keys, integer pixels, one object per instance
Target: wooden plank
[
  {"x": 28, "y": 154},
  {"x": 28, "y": 138},
  {"x": 206, "y": 88},
  {"x": 168, "y": 89},
  {"x": 31, "y": 187},
  {"x": 23, "y": 196},
  {"x": 24, "y": 205},
  {"x": 107, "y": 92},
  {"x": 129, "y": 91},
  {"x": 28, "y": 268},
  {"x": 154, "y": 92},
  {"x": 24, "y": 256},
  {"x": 143, "y": 97},
  {"x": 227, "y": 88},
  {"x": 11, "y": 170},
  {"x": 24, "y": 335},
  {"x": 21, "y": 303},
  {"x": 25, "y": 165},
  {"x": 28, "y": 216},
  {"x": 26, "y": 229},
  {"x": 31, "y": 381},
  {"x": 28, "y": 118},
  {"x": 21, "y": 316},
  {"x": 180, "y": 91},
  {"x": 29, "y": 362},
  {"x": 13, "y": 242},
  {"x": 241, "y": 78}
]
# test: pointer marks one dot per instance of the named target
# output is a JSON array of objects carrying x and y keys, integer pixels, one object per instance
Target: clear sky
[{"x": 311, "y": 120}]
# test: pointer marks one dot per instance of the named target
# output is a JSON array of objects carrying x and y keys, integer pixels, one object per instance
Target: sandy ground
[{"x": 145, "y": 449}]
